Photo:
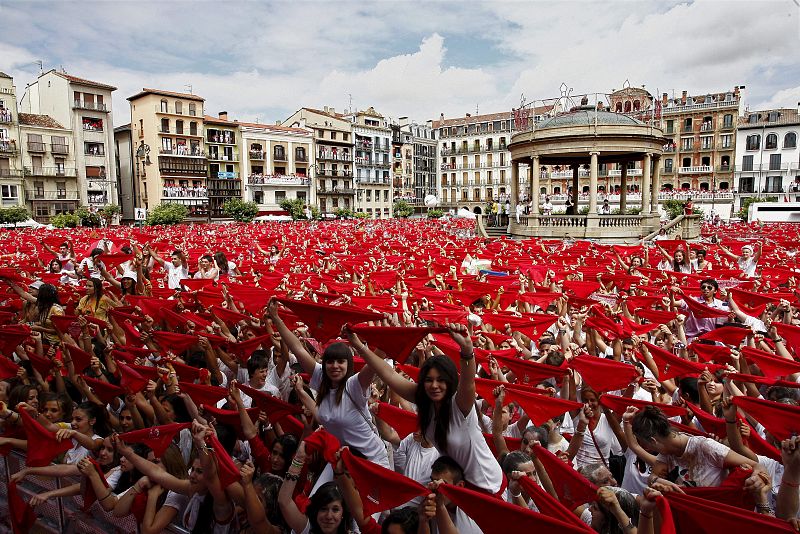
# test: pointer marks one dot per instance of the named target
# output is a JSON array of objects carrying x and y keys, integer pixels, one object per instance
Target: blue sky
[{"x": 263, "y": 60}]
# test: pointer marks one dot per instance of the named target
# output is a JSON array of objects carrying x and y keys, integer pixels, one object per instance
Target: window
[
  {"x": 279, "y": 152},
  {"x": 687, "y": 125},
  {"x": 192, "y": 128},
  {"x": 42, "y": 210},
  {"x": 300, "y": 153},
  {"x": 774, "y": 162},
  {"x": 164, "y": 106},
  {"x": 707, "y": 142},
  {"x": 774, "y": 184},
  {"x": 747, "y": 163},
  {"x": 333, "y": 135},
  {"x": 301, "y": 195},
  {"x": 10, "y": 195},
  {"x": 38, "y": 189},
  {"x": 753, "y": 142},
  {"x": 725, "y": 140},
  {"x": 179, "y": 127},
  {"x": 746, "y": 184},
  {"x": 164, "y": 125},
  {"x": 790, "y": 140},
  {"x": 686, "y": 162},
  {"x": 773, "y": 116},
  {"x": 687, "y": 143},
  {"x": 670, "y": 126},
  {"x": 724, "y": 186},
  {"x": 727, "y": 121},
  {"x": 280, "y": 196},
  {"x": 61, "y": 189},
  {"x": 369, "y": 195},
  {"x": 668, "y": 164},
  {"x": 771, "y": 142},
  {"x": 192, "y": 109},
  {"x": 179, "y": 107},
  {"x": 345, "y": 137}
]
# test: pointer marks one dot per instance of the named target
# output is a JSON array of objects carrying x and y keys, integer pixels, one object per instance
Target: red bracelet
[{"x": 790, "y": 484}]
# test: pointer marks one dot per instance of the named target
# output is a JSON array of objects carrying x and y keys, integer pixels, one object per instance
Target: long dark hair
[
  {"x": 222, "y": 262},
  {"x": 94, "y": 411},
  {"x": 326, "y": 494},
  {"x": 336, "y": 351},
  {"x": 425, "y": 408},
  {"x": 48, "y": 295},
  {"x": 650, "y": 423},
  {"x": 98, "y": 291}
]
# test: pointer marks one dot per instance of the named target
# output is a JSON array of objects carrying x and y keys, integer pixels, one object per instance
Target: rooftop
[
  {"x": 780, "y": 117},
  {"x": 216, "y": 120},
  {"x": 4, "y": 75},
  {"x": 277, "y": 127},
  {"x": 42, "y": 121},
  {"x": 588, "y": 115},
  {"x": 83, "y": 81},
  {"x": 145, "y": 91},
  {"x": 475, "y": 119}
]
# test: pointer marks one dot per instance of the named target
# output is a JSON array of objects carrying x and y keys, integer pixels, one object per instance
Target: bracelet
[
  {"x": 517, "y": 495},
  {"x": 645, "y": 515},
  {"x": 467, "y": 358},
  {"x": 790, "y": 484},
  {"x": 298, "y": 463},
  {"x": 339, "y": 473},
  {"x": 291, "y": 477},
  {"x": 107, "y": 495},
  {"x": 731, "y": 422},
  {"x": 629, "y": 526}
]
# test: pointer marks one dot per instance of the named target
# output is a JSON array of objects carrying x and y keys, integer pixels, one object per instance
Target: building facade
[
  {"x": 49, "y": 167},
  {"x": 420, "y": 141},
  {"x": 332, "y": 171},
  {"x": 473, "y": 159},
  {"x": 170, "y": 163},
  {"x": 84, "y": 107},
  {"x": 123, "y": 151},
  {"x": 374, "y": 187},
  {"x": 276, "y": 165},
  {"x": 767, "y": 154},
  {"x": 700, "y": 133},
  {"x": 11, "y": 176},
  {"x": 223, "y": 150}
]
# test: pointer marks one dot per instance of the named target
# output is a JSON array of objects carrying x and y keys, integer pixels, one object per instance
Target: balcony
[
  {"x": 687, "y": 129},
  {"x": 669, "y": 149},
  {"x": 329, "y": 156},
  {"x": 707, "y": 127},
  {"x": 59, "y": 149},
  {"x": 220, "y": 138},
  {"x": 34, "y": 146},
  {"x": 257, "y": 154},
  {"x": 91, "y": 106},
  {"x": 336, "y": 191},
  {"x": 224, "y": 175},
  {"x": 97, "y": 198},
  {"x": 279, "y": 157},
  {"x": 706, "y": 147},
  {"x": 328, "y": 172},
  {"x": 6, "y": 117},
  {"x": 173, "y": 191},
  {"x": 10, "y": 173},
  {"x": 51, "y": 171},
  {"x": 724, "y": 168},
  {"x": 301, "y": 158},
  {"x": 727, "y": 126},
  {"x": 163, "y": 130},
  {"x": 277, "y": 179},
  {"x": 222, "y": 157},
  {"x": 372, "y": 180},
  {"x": 618, "y": 172},
  {"x": 668, "y": 170},
  {"x": 186, "y": 152},
  {"x": 8, "y": 147},
  {"x": 721, "y": 146},
  {"x": 45, "y": 194},
  {"x": 696, "y": 169}
]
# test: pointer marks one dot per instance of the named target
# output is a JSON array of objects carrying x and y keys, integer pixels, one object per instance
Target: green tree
[
  {"x": 14, "y": 215},
  {"x": 343, "y": 213},
  {"x": 167, "y": 213},
  {"x": 88, "y": 218},
  {"x": 239, "y": 210},
  {"x": 361, "y": 215},
  {"x": 294, "y": 207},
  {"x": 66, "y": 220},
  {"x": 742, "y": 213},
  {"x": 402, "y": 209},
  {"x": 435, "y": 214},
  {"x": 108, "y": 212}
]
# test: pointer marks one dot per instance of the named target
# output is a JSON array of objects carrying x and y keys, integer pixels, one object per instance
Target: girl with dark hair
[
  {"x": 342, "y": 394},
  {"x": 94, "y": 302},
  {"x": 47, "y": 304},
  {"x": 226, "y": 269},
  {"x": 446, "y": 409},
  {"x": 326, "y": 513},
  {"x": 703, "y": 461},
  {"x": 679, "y": 262},
  {"x": 89, "y": 426}
]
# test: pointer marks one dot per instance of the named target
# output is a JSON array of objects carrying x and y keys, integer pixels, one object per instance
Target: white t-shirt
[
  {"x": 347, "y": 421},
  {"x": 467, "y": 446},
  {"x": 775, "y": 470},
  {"x": 78, "y": 452},
  {"x": 175, "y": 274},
  {"x": 635, "y": 479},
  {"x": 414, "y": 461},
  {"x": 606, "y": 442},
  {"x": 748, "y": 266},
  {"x": 702, "y": 462}
]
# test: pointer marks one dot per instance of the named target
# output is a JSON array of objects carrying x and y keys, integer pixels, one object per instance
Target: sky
[{"x": 263, "y": 60}]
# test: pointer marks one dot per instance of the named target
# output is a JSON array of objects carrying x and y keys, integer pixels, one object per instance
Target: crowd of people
[
  {"x": 396, "y": 376},
  {"x": 180, "y": 191}
]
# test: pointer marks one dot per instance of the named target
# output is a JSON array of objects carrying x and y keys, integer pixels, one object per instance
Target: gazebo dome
[{"x": 586, "y": 116}]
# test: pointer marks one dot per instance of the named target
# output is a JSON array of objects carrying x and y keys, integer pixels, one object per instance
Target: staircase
[{"x": 494, "y": 232}]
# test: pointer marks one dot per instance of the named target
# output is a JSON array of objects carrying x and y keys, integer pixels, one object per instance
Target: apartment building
[
  {"x": 767, "y": 155},
  {"x": 124, "y": 162},
  {"x": 276, "y": 164},
  {"x": 49, "y": 166},
  {"x": 168, "y": 127},
  {"x": 333, "y": 143},
  {"x": 473, "y": 160},
  {"x": 423, "y": 146},
  {"x": 11, "y": 184},
  {"x": 402, "y": 162},
  {"x": 374, "y": 187},
  {"x": 701, "y": 140},
  {"x": 222, "y": 144},
  {"x": 84, "y": 107}
]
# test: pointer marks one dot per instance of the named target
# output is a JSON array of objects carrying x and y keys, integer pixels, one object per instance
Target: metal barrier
[{"x": 64, "y": 514}]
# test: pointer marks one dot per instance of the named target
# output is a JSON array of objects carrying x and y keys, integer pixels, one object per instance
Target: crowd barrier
[{"x": 61, "y": 515}]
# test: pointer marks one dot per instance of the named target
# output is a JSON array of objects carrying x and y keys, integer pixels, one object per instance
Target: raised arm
[
  {"x": 292, "y": 341},
  {"x": 465, "y": 395},
  {"x": 396, "y": 383},
  {"x": 295, "y": 519}
]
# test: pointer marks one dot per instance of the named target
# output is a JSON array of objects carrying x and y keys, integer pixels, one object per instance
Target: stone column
[
  {"x": 593, "y": 183},
  {"x": 575, "y": 184},
  {"x": 655, "y": 186},
  {"x": 514, "y": 183},
  {"x": 646, "y": 163},
  {"x": 535, "y": 172},
  {"x": 623, "y": 189}
]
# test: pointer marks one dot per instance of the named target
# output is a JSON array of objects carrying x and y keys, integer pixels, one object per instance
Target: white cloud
[{"x": 786, "y": 98}]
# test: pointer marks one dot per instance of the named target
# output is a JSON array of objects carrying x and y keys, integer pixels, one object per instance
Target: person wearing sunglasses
[{"x": 695, "y": 326}]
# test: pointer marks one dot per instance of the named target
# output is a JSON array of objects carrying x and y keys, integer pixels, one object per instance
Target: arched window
[
  {"x": 753, "y": 142},
  {"x": 178, "y": 107},
  {"x": 627, "y": 106},
  {"x": 192, "y": 128},
  {"x": 300, "y": 153},
  {"x": 619, "y": 107},
  {"x": 165, "y": 125},
  {"x": 192, "y": 109},
  {"x": 686, "y": 185},
  {"x": 164, "y": 106},
  {"x": 771, "y": 141},
  {"x": 637, "y": 105},
  {"x": 703, "y": 186},
  {"x": 723, "y": 186},
  {"x": 279, "y": 152},
  {"x": 790, "y": 140}
]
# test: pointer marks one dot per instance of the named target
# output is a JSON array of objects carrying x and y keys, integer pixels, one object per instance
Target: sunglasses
[{"x": 707, "y": 287}]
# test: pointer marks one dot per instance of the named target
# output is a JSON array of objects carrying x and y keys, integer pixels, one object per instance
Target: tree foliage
[
  {"x": 14, "y": 215},
  {"x": 239, "y": 210},
  {"x": 435, "y": 214},
  {"x": 66, "y": 220},
  {"x": 88, "y": 219},
  {"x": 402, "y": 209},
  {"x": 742, "y": 213},
  {"x": 167, "y": 213}
]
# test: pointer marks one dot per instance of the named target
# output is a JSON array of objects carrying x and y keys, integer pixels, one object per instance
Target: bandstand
[{"x": 586, "y": 137}]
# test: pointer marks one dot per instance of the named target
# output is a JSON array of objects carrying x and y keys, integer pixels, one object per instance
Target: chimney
[
  {"x": 683, "y": 97},
  {"x": 325, "y": 109},
  {"x": 332, "y": 111},
  {"x": 223, "y": 115},
  {"x": 664, "y": 98}
]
